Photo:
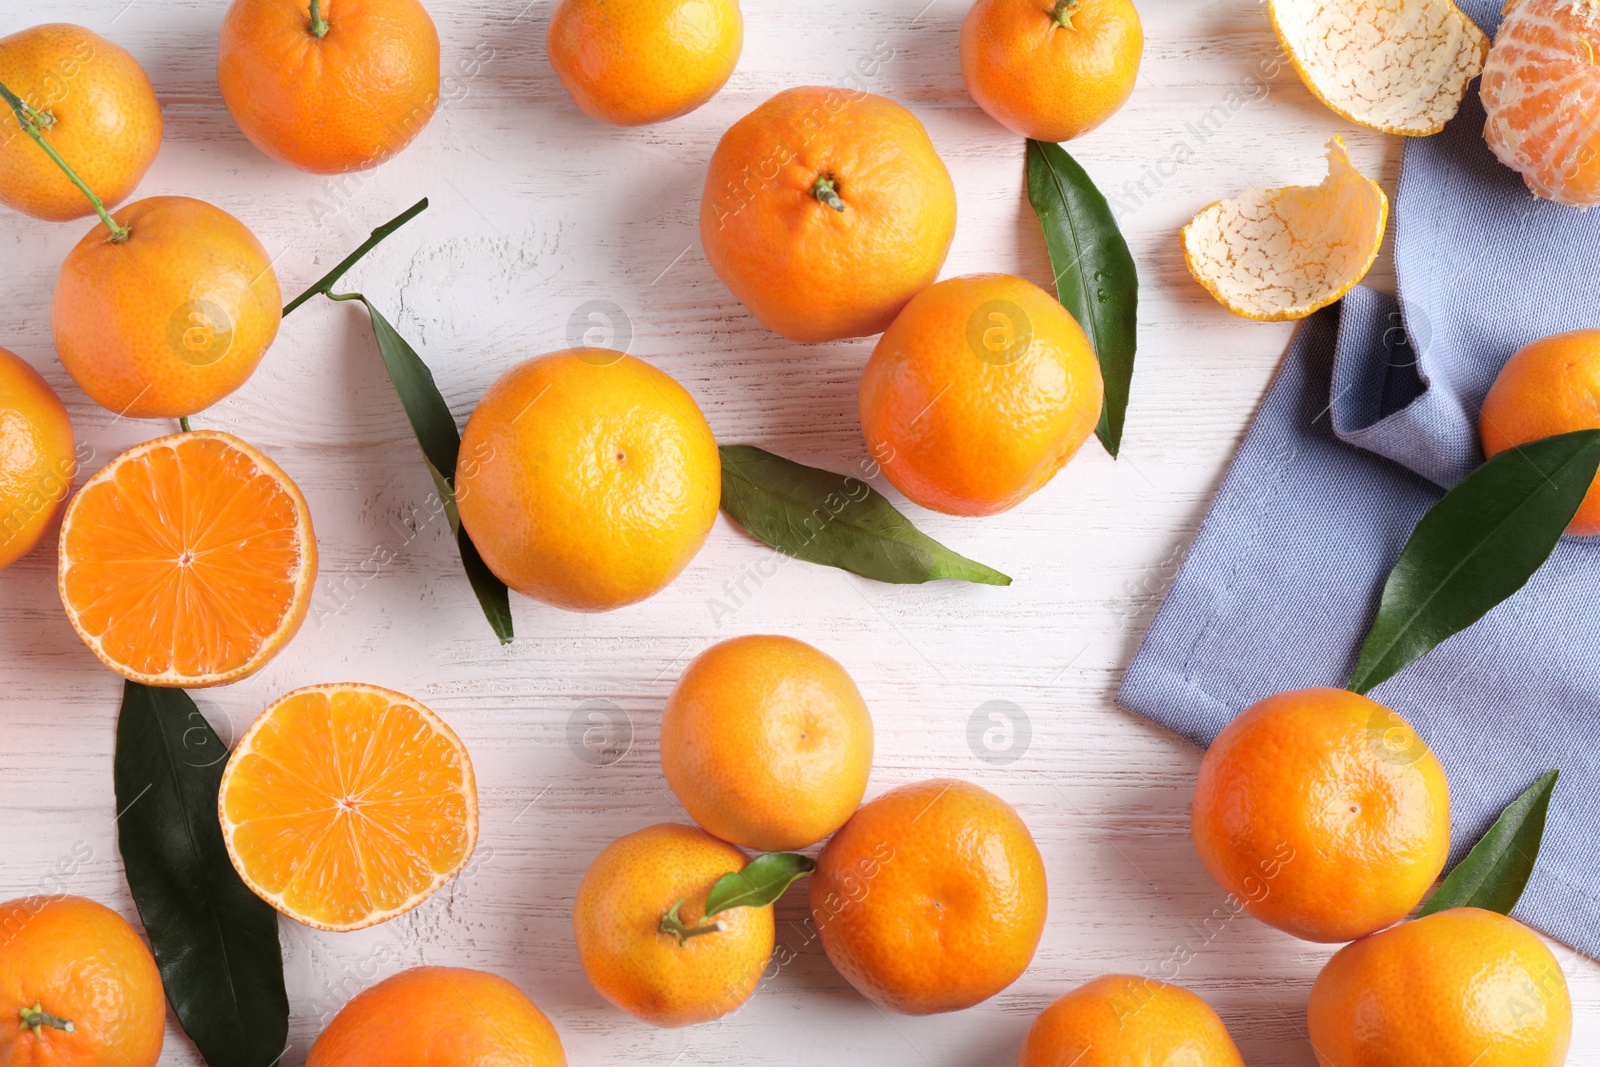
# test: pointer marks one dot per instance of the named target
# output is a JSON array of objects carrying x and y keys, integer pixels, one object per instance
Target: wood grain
[{"x": 537, "y": 211}]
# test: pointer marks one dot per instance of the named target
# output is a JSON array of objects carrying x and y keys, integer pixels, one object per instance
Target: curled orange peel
[
  {"x": 1400, "y": 66},
  {"x": 1279, "y": 254}
]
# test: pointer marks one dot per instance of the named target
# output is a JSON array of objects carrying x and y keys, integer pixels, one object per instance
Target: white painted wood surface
[{"x": 537, "y": 211}]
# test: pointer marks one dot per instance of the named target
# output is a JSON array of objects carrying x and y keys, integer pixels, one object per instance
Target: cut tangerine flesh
[
  {"x": 345, "y": 805},
  {"x": 187, "y": 560}
]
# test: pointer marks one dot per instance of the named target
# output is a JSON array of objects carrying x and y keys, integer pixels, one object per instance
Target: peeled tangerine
[
  {"x": 1540, "y": 89},
  {"x": 1400, "y": 66},
  {"x": 1279, "y": 254}
]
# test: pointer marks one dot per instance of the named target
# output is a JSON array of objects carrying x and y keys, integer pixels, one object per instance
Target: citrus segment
[
  {"x": 1400, "y": 66},
  {"x": 1278, "y": 254},
  {"x": 345, "y": 805},
  {"x": 1540, "y": 89},
  {"x": 187, "y": 561}
]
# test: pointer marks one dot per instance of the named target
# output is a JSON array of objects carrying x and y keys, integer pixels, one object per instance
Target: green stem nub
[
  {"x": 183, "y": 424},
  {"x": 319, "y": 25},
  {"x": 30, "y": 119},
  {"x": 672, "y": 924},
  {"x": 1063, "y": 13},
  {"x": 36, "y": 1018},
  {"x": 826, "y": 190}
]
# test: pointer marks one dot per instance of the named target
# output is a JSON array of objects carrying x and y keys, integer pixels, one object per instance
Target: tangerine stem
[
  {"x": 319, "y": 25},
  {"x": 672, "y": 924},
  {"x": 1063, "y": 13},
  {"x": 325, "y": 284},
  {"x": 35, "y": 1018},
  {"x": 183, "y": 423},
  {"x": 826, "y": 190},
  {"x": 27, "y": 116}
]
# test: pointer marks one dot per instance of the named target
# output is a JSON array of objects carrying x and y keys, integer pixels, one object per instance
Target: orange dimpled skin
[
  {"x": 346, "y": 100},
  {"x": 1051, "y": 69},
  {"x": 588, "y": 479},
  {"x": 171, "y": 320},
  {"x": 1125, "y": 1021},
  {"x": 767, "y": 743},
  {"x": 1461, "y": 988},
  {"x": 96, "y": 108},
  {"x": 1550, "y": 387},
  {"x": 644, "y": 61},
  {"x": 37, "y": 458},
  {"x": 439, "y": 1017},
  {"x": 1323, "y": 812},
  {"x": 931, "y": 898},
  {"x": 65, "y": 960},
  {"x": 984, "y": 388},
  {"x": 806, "y": 270},
  {"x": 654, "y": 975}
]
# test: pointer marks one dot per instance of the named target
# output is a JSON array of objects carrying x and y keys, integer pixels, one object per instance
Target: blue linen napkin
[{"x": 1374, "y": 409}]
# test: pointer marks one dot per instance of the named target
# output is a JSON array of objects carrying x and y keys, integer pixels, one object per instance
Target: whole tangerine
[
  {"x": 429, "y": 1016},
  {"x": 767, "y": 743},
  {"x": 170, "y": 320},
  {"x": 1051, "y": 71},
  {"x": 1323, "y": 812},
  {"x": 37, "y": 457},
  {"x": 588, "y": 479},
  {"x": 1460, "y": 988},
  {"x": 643, "y": 940},
  {"x": 644, "y": 61},
  {"x": 329, "y": 86},
  {"x": 825, "y": 211},
  {"x": 94, "y": 105},
  {"x": 1549, "y": 387},
  {"x": 1121, "y": 1020},
  {"x": 981, "y": 390},
  {"x": 931, "y": 898},
  {"x": 81, "y": 985}
]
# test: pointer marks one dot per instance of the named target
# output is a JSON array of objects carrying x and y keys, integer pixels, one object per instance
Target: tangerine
[
  {"x": 931, "y": 898},
  {"x": 643, "y": 941},
  {"x": 646, "y": 60},
  {"x": 588, "y": 479},
  {"x": 1121, "y": 1020},
  {"x": 37, "y": 458},
  {"x": 329, "y": 86},
  {"x": 982, "y": 389},
  {"x": 767, "y": 743},
  {"x": 825, "y": 211},
  {"x": 1323, "y": 813},
  {"x": 1549, "y": 387},
  {"x": 93, "y": 103},
  {"x": 1051, "y": 71}
]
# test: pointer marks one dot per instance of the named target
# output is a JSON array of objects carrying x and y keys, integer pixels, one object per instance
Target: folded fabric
[{"x": 1374, "y": 409}]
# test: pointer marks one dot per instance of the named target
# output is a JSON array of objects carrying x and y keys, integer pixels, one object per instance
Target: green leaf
[
  {"x": 430, "y": 417},
  {"x": 215, "y": 942},
  {"x": 1479, "y": 544},
  {"x": 1496, "y": 871},
  {"x": 761, "y": 883},
  {"x": 834, "y": 519},
  {"x": 1096, "y": 278}
]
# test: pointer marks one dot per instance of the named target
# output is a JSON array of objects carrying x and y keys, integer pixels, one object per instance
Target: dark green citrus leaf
[
  {"x": 215, "y": 942},
  {"x": 761, "y": 883},
  {"x": 430, "y": 417},
  {"x": 834, "y": 519},
  {"x": 1479, "y": 544},
  {"x": 436, "y": 432},
  {"x": 1096, "y": 278},
  {"x": 1496, "y": 871}
]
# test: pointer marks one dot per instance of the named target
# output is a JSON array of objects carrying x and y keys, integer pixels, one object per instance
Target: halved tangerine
[
  {"x": 345, "y": 805},
  {"x": 187, "y": 560}
]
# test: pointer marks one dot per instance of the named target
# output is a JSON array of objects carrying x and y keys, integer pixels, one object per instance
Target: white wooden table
[{"x": 536, "y": 212}]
